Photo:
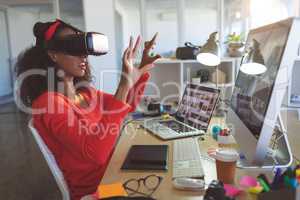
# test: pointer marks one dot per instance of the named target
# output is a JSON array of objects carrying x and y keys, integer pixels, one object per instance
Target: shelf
[
  {"x": 170, "y": 76},
  {"x": 296, "y": 105},
  {"x": 211, "y": 84},
  {"x": 170, "y": 60}
]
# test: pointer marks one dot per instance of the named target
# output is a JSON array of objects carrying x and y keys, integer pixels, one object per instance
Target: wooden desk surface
[{"x": 133, "y": 134}]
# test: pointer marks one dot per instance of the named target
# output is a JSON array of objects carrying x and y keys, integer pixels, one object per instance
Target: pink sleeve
[{"x": 135, "y": 94}]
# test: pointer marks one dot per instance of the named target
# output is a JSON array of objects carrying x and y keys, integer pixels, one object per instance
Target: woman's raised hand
[
  {"x": 147, "y": 59},
  {"x": 131, "y": 74}
]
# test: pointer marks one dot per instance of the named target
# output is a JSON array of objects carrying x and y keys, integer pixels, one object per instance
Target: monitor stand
[{"x": 279, "y": 154}]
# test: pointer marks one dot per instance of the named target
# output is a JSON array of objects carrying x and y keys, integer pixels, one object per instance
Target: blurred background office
[{"x": 24, "y": 173}]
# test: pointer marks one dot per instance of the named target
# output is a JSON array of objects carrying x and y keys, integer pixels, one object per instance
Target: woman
[{"x": 78, "y": 123}]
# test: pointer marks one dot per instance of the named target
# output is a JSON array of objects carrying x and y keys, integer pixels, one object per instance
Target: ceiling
[
  {"x": 168, "y": 4},
  {"x": 24, "y": 2},
  {"x": 67, "y": 6}
]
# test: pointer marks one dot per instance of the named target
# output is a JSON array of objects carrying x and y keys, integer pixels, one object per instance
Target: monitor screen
[
  {"x": 252, "y": 93},
  {"x": 197, "y": 105}
]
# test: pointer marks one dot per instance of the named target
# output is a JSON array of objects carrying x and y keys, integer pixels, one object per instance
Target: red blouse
[{"x": 83, "y": 139}]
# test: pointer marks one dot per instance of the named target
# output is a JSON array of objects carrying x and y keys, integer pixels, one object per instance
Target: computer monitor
[{"x": 256, "y": 101}]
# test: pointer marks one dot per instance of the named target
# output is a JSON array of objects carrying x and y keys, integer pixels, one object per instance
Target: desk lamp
[
  {"x": 209, "y": 54},
  {"x": 253, "y": 61}
]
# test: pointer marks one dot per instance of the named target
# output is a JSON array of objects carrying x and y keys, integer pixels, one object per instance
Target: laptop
[{"x": 192, "y": 116}]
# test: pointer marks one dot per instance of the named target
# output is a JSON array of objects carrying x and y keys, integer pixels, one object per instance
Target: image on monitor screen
[
  {"x": 252, "y": 93},
  {"x": 197, "y": 105}
]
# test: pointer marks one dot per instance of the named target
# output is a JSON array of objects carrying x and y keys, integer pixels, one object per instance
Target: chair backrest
[{"x": 49, "y": 157}]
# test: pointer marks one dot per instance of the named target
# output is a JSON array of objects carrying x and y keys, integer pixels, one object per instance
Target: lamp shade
[
  {"x": 253, "y": 61},
  {"x": 209, "y": 54}
]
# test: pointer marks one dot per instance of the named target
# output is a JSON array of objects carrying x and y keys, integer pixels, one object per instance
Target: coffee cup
[{"x": 225, "y": 163}]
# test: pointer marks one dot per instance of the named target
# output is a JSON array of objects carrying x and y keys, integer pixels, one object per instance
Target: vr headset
[{"x": 79, "y": 44}]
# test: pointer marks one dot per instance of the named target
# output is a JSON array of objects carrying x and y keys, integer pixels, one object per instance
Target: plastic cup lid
[{"x": 226, "y": 155}]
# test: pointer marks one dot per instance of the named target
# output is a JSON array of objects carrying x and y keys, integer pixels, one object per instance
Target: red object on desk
[{"x": 231, "y": 190}]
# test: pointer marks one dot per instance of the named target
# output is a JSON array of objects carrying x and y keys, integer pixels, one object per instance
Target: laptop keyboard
[{"x": 174, "y": 125}]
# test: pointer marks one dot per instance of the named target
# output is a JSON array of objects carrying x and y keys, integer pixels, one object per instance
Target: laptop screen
[{"x": 197, "y": 105}]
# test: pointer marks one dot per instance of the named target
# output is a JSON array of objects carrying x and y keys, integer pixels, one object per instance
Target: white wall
[
  {"x": 200, "y": 22},
  {"x": 21, "y": 21},
  {"x": 166, "y": 27},
  {"x": 278, "y": 11},
  {"x": 99, "y": 17},
  {"x": 131, "y": 25},
  {"x": 5, "y": 76},
  {"x": 20, "y": 30}
]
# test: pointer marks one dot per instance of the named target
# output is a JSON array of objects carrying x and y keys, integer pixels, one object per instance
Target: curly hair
[{"x": 37, "y": 58}]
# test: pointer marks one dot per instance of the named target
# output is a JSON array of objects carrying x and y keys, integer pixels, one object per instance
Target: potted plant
[{"x": 235, "y": 43}]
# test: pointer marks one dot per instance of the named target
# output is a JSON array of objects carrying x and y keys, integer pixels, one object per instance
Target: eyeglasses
[{"x": 150, "y": 183}]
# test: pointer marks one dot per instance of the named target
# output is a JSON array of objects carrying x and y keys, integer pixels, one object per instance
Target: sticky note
[
  {"x": 297, "y": 172},
  {"x": 231, "y": 190},
  {"x": 255, "y": 190},
  {"x": 248, "y": 181},
  {"x": 110, "y": 190}
]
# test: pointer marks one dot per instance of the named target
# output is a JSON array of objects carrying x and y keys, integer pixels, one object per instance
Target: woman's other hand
[
  {"x": 147, "y": 59},
  {"x": 131, "y": 74}
]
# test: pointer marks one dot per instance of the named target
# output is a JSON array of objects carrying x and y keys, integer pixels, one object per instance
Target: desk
[{"x": 132, "y": 134}]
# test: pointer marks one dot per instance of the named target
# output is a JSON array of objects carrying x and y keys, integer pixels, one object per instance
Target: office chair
[{"x": 57, "y": 173}]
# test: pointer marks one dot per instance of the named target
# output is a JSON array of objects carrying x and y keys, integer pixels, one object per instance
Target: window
[
  {"x": 71, "y": 11},
  {"x": 201, "y": 20},
  {"x": 161, "y": 16},
  {"x": 236, "y": 17},
  {"x": 276, "y": 10}
]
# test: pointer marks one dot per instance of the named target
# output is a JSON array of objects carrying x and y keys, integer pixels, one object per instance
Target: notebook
[{"x": 146, "y": 157}]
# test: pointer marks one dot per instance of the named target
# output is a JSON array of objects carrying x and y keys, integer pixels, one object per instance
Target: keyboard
[
  {"x": 170, "y": 129},
  {"x": 176, "y": 126},
  {"x": 186, "y": 158}
]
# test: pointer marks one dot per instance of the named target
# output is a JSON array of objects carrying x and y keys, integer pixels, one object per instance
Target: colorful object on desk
[
  {"x": 294, "y": 183},
  {"x": 231, "y": 190},
  {"x": 165, "y": 116},
  {"x": 224, "y": 132},
  {"x": 264, "y": 183},
  {"x": 248, "y": 181},
  {"x": 215, "y": 130},
  {"x": 289, "y": 172},
  {"x": 286, "y": 181},
  {"x": 297, "y": 173},
  {"x": 276, "y": 180},
  {"x": 110, "y": 190},
  {"x": 255, "y": 190}
]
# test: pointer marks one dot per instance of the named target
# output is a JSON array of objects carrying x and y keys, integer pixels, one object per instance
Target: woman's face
[{"x": 73, "y": 66}]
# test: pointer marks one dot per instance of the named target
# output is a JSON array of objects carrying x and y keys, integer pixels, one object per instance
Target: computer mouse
[{"x": 186, "y": 183}]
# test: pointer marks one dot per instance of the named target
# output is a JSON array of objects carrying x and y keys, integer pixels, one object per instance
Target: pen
[
  {"x": 293, "y": 183},
  {"x": 264, "y": 178},
  {"x": 286, "y": 180},
  {"x": 276, "y": 180},
  {"x": 290, "y": 172},
  {"x": 263, "y": 184},
  {"x": 297, "y": 173}
]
